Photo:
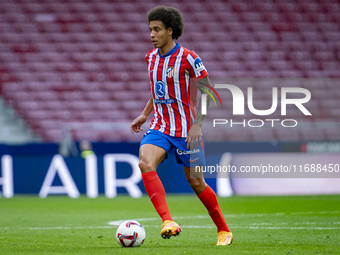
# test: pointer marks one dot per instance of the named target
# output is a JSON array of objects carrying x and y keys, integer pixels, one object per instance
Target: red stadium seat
[{"x": 73, "y": 60}]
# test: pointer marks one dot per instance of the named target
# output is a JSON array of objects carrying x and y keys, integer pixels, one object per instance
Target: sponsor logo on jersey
[
  {"x": 199, "y": 67},
  {"x": 164, "y": 101},
  {"x": 160, "y": 89},
  {"x": 170, "y": 71}
]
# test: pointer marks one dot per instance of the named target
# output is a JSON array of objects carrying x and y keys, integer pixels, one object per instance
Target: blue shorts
[{"x": 183, "y": 155}]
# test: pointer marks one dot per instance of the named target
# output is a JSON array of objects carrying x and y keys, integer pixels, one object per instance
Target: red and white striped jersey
[{"x": 173, "y": 107}]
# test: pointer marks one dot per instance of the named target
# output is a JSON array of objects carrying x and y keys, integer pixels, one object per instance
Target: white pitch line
[
  {"x": 297, "y": 228},
  {"x": 253, "y": 225},
  {"x": 256, "y": 227},
  {"x": 320, "y": 212},
  {"x": 55, "y": 228},
  {"x": 183, "y": 226},
  {"x": 118, "y": 222}
]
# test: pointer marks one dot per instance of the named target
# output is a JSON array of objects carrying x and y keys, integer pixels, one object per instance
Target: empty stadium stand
[{"x": 82, "y": 61}]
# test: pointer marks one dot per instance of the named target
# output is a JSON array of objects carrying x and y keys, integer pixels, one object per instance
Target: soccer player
[{"x": 175, "y": 123}]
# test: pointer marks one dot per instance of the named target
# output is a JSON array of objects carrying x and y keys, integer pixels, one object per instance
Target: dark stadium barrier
[{"x": 275, "y": 169}]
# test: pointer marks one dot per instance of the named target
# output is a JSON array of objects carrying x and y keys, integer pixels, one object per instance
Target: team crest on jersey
[{"x": 170, "y": 71}]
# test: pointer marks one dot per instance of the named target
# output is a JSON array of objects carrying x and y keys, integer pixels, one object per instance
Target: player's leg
[
  {"x": 209, "y": 200},
  {"x": 192, "y": 160},
  {"x": 150, "y": 157}
]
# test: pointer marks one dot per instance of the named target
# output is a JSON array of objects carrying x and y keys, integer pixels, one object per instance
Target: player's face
[{"x": 160, "y": 36}]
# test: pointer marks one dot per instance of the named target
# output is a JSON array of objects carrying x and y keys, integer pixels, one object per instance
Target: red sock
[
  {"x": 156, "y": 192},
  {"x": 209, "y": 199}
]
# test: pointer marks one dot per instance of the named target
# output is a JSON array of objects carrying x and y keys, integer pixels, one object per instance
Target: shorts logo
[
  {"x": 170, "y": 71},
  {"x": 199, "y": 67},
  {"x": 180, "y": 152},
  {"x": 160, "y": 89}
]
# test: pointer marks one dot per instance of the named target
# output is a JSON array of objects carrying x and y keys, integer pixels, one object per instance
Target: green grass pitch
[{"x": 261, "y": 225}]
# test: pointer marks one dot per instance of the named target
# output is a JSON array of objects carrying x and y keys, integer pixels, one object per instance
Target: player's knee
[
  {"x": 197, "y": 184},
  {"x": 145, "y": 166}
]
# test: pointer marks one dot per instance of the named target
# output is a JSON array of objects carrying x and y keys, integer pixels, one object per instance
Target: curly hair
[{"x": 170, "y": 16}]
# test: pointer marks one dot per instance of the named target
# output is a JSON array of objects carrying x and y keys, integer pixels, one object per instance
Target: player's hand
[
  {"x": 194, "y": 137},
  {"x": 136, "y": 125}
]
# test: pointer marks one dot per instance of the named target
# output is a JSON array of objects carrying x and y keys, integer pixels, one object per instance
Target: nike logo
[{"x": 192, "y": 160}]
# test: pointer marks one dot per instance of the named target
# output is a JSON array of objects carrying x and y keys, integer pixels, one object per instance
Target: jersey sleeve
[{"x": 196, "y": 67}]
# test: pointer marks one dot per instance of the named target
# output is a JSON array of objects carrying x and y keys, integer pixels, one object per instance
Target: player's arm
[
  {"x": 194, "y": 137},
  {"x": 203, "y": 85},
  {"x": 139, "y": 121}
]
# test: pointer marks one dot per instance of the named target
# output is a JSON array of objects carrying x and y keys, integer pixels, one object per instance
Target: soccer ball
[{"x": 130, "y": 234}]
